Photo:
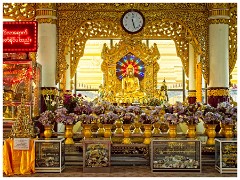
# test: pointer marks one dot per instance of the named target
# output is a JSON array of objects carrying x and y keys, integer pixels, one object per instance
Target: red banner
[{"x": 20, "y": 36}]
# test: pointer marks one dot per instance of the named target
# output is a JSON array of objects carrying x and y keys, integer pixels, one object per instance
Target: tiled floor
[{"x": 131, "y": 171}]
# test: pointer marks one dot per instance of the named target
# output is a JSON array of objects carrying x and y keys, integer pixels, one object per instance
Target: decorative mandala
[{"x": 137, "y": 63}]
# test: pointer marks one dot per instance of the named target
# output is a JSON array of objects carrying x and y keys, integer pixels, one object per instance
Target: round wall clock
[{"x": 132, "y": 21}]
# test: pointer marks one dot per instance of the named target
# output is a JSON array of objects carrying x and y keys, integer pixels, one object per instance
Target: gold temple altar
[{"x": 130, "y": 89}]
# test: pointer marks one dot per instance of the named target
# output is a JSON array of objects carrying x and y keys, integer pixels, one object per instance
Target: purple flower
[
  {"x": 47, "y": 118},
  {"x": 172, "y": 118},
  {"x": 87, "y": 119},
  {"x": 128, "y": 118},
  {"x": 212, "y": 118},
  {"x": 108, "y": 118},
  {"x": 98, "y": 109},
  {"x": 145, "y": 119}
]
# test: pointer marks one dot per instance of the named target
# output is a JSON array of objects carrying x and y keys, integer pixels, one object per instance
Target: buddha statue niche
[{"x": 130, "y": 87}]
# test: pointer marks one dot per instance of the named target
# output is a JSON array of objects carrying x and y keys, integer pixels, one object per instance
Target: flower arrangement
[
  {"x": 212, "y": 118},
  {"x": 145, "y": 119},
  {"x": 227, "y": 121},
  {"x": 134, "y": 109},
  {"x": 71, "y": 101},
  {"x": 108, "y": 118},
  {"x": 66, "y": 118},
  {"x": 207, "y": 108},
  {"x": 107, "y": 106},
  {"x": 228, "y": 112},
  {"x": 87, "y": 119},
  {"x": 47, "y": 118},
  {"x": 51, "y": 99},
  {"x": 191, "y": 114},
  {"x": 119, "y": 110},
  {"x": 167, "y": 107},
  {"x": 172, "y": 118},
  {"x": 128, "y": 118},
  {"x": 178, "y": 108},
  {"x": 98, "y": 109}
]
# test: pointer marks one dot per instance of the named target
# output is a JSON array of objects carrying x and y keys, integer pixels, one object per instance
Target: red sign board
[{"x": 20, "y": 36}]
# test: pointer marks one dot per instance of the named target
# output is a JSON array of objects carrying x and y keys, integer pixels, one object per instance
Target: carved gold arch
[
  {"x": 232, "y": 38},
  {"x": 112, "y": 55},
  {"x": 160, "y": 29}
]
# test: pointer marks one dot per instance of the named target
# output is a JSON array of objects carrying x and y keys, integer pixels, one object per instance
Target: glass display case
[
  {"x": 175, "y": 155},
  {"x": 97, "y": 155},
  {"x": 226, "y": 155},
  {"x": 49, "y": 155},
  {"x": 17, "y": 81}
]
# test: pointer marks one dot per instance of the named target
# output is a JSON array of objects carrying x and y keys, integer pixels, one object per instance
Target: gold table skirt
[{"x": 18, "y": 161}]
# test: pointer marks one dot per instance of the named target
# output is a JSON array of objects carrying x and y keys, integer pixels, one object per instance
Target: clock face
[{"x": 132, "y": 21}]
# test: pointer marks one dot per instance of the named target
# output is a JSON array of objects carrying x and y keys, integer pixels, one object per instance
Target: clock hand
[{"x": 133, "y": 24}]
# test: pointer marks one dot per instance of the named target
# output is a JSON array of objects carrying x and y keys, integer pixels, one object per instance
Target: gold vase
[
  {"x": 172, "y": 131},
  {"x": 126, "y": 134},
  {"x": 228, "y": 130},
  {"x": 87, "y": 133},
  {"x": 156, "y": 127},
  {"x": 147, "y": 133},
  {"x": 118, "y": 124},
  {"x": 107, "y": 130},
  {"x": 100, "y": 130},
  {"x": 47, "y": 131},
  {"x": 69, "y": 134},
  {"x": 191, "y": 132},
  {"x": 137, "y": 126},
  {"x": 221, "y": 132},
  {"x": 211, "y": 133}
]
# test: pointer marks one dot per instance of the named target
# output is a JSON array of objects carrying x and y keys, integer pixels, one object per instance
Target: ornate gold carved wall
[
  {"x": 80, "y": 24},
  {"x": 232, "y": 37},
  {"x": 19, "y": 11},
  {"x": 190, "y": 19}
]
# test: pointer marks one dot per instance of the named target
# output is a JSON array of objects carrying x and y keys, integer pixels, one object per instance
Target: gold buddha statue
[
  {"x": 163, "y": 96},
  {"x": 130, "y": 87}
]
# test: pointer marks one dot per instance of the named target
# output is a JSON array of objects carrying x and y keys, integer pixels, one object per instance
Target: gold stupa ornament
[{"x": 23, "y": 127}]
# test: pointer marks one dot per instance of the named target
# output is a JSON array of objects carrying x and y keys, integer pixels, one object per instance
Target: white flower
[{"x": 53, "y": 103}]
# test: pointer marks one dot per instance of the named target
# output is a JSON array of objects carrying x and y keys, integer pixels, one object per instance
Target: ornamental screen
[{"x": 137, "y": 64}]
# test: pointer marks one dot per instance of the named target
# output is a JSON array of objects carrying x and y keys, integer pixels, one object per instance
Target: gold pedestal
[
  {"x": 48, "y": 131},
  {"x": 211, "y": 133},
  {"x": 228, "y": 130},
  {"x": 156, "y": 128},
  {"x": 172, "y": 131},
  {"x": 118, "y": 129},
  {"x": 191, "y": 132},
  {"x": 107, "y": 130},
  {"x": 69, "y": 134},
  {"x": 147, "y": 133},
  {"x": 100, "y": 130},
  {"x": 126, "y": 134},
  {"x": 137, "y": 129},
  {"x": 87, "y": 133}
]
